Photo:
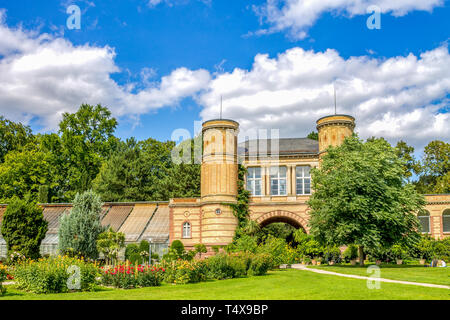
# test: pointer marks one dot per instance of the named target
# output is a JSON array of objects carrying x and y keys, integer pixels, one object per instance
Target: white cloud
[
  {"x": 170, "y": 3},
  {"x": 296, "y": 16},
  {"x": 43, "y": 76},
  {"x": 398, "y": 98}
]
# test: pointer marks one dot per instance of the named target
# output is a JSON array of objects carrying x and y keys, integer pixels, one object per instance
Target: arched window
[
  {"x": 424, "y": 219},
  {"x": 446, "y": 220},
  {"x": 186, "y": 230}
]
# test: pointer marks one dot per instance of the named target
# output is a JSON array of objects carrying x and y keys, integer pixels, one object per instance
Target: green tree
[
  {"x": 406, "y": 153},
  {"x": 23, "y": 228},
  {"x": 79, "y": 230},
  {"x": 199, "y": 249},
  {"x": 13, "y": 136},
  {"x": 87, "y": 140},
  {"x": 361, "y": 197},
  {"x": 109, "y": 243},
  {"x": 313, "y": 135},
  {"x": 436, "y": 168},
  {"x": 25, "y": 171}
]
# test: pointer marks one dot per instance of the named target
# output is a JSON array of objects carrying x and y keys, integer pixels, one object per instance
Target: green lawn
[
  {"x": 277, "y": 285},
  {"x": 414, "y": 273}
]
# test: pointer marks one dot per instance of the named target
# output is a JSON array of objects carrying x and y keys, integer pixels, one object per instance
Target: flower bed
[
  {"x": 182, "y": 271},
  {"x": 127, "y": 277},
  {"x": 3, "y": 277},
  {"x": 56, "y": 275}
]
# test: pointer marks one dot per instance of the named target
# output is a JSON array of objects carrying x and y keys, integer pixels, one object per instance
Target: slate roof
[{"x": 286, "y": 146}]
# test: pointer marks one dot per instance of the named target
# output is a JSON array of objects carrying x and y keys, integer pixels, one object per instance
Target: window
[
  {"x": 254, "y": 181},
  {"x": 424, "y": 219},
  {"x": 186, "y": 230},
  {"x": 303, "y": 178},
  {"x": 278, "y": 181},
  {"x": 446, "y": 220}
]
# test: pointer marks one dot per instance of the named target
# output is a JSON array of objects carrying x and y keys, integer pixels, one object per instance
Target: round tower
[
  {"x": 219, "y": 176},
  {"x": 333, "y": 130}
]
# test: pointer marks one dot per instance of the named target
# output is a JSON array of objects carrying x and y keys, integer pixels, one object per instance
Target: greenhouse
[{"x": 138, "y": 221}]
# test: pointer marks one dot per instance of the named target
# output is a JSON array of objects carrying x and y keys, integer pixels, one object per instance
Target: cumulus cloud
[
  {"x": 42, "y": 76},
  {"x": 403, "y": 97},
  {"x": 296, "y": 16}
]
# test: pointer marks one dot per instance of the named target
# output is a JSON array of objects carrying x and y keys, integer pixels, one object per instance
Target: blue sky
[{"x": 219, "y": 41}]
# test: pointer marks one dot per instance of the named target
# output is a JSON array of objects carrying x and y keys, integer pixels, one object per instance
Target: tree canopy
[{"x": 361, "y": 197}]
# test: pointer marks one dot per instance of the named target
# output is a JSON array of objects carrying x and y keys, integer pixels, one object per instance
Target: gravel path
[{"x": 303, "y": 267}]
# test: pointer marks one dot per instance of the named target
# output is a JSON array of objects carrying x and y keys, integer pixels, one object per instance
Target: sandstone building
[{"x": 278, "y": 178}]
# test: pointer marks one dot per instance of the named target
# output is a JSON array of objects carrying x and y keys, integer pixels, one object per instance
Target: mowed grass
[
  {"x": 277, "y": 285},
  {"x": 413, "y": 273}
]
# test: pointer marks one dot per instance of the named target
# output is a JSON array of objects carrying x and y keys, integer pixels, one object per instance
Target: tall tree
[
  {"x": 406, "y": 153},
  {"x": 12, "y": 136},
  {"x": 314, "y": 135},
  {"x": 87, "y": 140},
  {"x": 361, "y": 197},
  {"x": 79, "y": 230},
  {"x": 25, "y": 171},
  {"x": 23, "y": 228},
  {"x": 435, "y": 165}
]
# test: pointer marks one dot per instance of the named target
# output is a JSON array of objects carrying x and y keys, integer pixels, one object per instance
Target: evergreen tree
[
  {"x": 23, "y": 228},
  {"x": 79, "y": 230}
]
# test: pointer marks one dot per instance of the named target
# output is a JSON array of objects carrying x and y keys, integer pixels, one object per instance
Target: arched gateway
[{"x": 288, "y": 217}]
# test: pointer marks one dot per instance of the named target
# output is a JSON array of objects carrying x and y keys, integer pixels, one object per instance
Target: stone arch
[{"x": 289, "y": 217}]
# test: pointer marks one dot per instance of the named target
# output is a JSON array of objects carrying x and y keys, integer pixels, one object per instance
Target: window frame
[
  {"x": 253, "y": 180},
  {"x": 189, "y": 228},
  {"x": 302, "y": 178},
  {"x": 427, "y": 215},
  {"x": 278, "y": 178},
  {"x": 446, "y": 214}
]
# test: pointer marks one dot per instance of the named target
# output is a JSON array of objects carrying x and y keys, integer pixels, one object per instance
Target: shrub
[
  {"x": 109, "y": 244},
  {"x": 178, "y": 247},
  {"x": 227, "y": 266},
  {"x": 277, "y": 248},
  {"x": 399, "y": 252},
  {"x": 199, "y": 249},
  {"x": 245, "y": 243},
  {"x": 53, "y": 275},
  {"x": 23, "y": 228},
  {"x": 260, "y": 264},
  {"x": 3, "y": 277},
  {"x": 132, "y": 254},
  {"x": 128, "y": 277},
  {"x": 80, "y": 229},
  {"x": 351, "y": 253},
  {"x": 183, "y": 271},
  {"x": 332, "y": 254}
]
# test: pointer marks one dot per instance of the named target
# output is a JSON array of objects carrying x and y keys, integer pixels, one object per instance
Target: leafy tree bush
[
  {"x": 132, "y": 254},
  {"x": 79, "y": 230},
  {"x": 23, "y": 228},
  {"x": 178, "y": 248},
  {"x": 361, "y": 197},
  {"x": 199, "y": 249},
  {"x": 51, "y": 275},
  {"x": 109, "y": 244},
  {"x": 351, "y": 253},
  {"x": 245, "y": 243}
]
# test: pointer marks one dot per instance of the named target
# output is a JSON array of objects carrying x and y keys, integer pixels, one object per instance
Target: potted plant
[{"x": 399, "y": 253}]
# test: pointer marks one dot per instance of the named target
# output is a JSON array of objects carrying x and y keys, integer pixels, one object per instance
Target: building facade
[{"x": 278, "y": 178}]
